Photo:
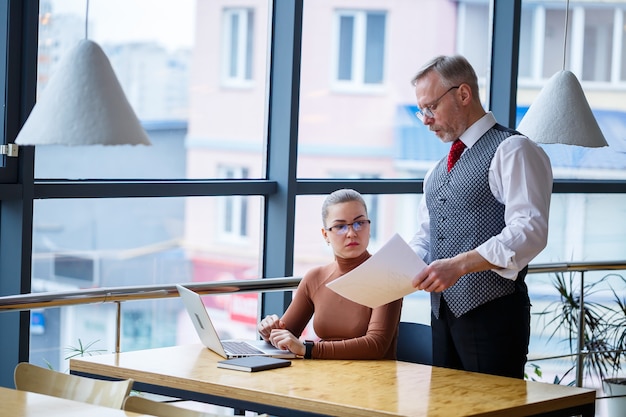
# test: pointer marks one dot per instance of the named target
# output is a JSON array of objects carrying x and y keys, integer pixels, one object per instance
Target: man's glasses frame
[
  {"x": 342, "y": 229},
  {"x": 429, "y": 111}
]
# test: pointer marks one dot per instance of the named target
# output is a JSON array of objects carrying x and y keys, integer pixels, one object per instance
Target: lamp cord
[
  {"x": 565, "y": 34},
  {"x": 87, "y": 20}
]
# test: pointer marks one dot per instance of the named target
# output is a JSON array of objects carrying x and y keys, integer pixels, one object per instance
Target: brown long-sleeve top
[{"x": 347, "y": 330}]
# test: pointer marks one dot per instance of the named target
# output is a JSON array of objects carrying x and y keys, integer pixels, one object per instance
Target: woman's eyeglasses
[{"x": 342, "y": 229}]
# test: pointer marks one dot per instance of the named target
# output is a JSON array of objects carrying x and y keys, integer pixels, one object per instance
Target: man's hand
[
  {"x": 438, "y": 276},
  {"x": 444, "y": 273}
]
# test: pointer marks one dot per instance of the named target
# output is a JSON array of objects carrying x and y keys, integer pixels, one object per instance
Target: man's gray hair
[{"x": 453, "y": 70}]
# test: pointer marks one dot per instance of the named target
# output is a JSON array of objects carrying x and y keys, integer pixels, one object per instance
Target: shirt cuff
[{"x": 503, "y": 259}]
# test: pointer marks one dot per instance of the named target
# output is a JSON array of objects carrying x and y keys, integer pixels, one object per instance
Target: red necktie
[{"x": 455, "y": 153}]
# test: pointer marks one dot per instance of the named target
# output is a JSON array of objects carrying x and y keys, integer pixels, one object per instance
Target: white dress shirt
[{"x": 520, "y": 177}]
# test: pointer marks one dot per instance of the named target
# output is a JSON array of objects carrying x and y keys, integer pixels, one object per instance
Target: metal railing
[
  {"x": 22, "y": 302},
  {"x": 133, "y": 293},
  {"x": 140, "y": 292},
  {"x": 143, "y": 292}
]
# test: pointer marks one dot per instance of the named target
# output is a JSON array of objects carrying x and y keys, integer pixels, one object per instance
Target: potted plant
[{"x": 604, "y": 335}]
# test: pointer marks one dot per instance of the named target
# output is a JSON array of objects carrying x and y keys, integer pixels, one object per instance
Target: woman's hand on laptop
[
  {"x": 269, "y": 323},
  {"x": 285, "y": 340}
]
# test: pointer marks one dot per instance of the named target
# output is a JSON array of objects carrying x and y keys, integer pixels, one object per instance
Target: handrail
[
  {"x": 140, "y": 292},
  {"x": 143, "y": 292},
  {"x": 577, "y": 267}
]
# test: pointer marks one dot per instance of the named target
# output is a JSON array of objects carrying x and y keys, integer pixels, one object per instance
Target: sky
[{"x": 169, "y": 22}]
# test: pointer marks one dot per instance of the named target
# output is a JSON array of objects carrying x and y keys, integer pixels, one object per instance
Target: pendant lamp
[
  {"x": 83, "y": 104},
  {"x": 561, "y": 113}
]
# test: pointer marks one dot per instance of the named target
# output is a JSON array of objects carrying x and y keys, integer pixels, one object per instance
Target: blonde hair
[{"x": 343, "y": 195}]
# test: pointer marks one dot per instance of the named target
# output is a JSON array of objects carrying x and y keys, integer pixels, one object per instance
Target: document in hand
[
  {"x": 253, "y": 363},
  {"x": 386, "y": 276}
]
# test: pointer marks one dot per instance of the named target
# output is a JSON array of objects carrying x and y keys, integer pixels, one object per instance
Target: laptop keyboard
[{"x": 240, "y": 348}]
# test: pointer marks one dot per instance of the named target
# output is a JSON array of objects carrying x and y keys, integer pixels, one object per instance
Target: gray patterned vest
[{"x": 463, "y": 215}]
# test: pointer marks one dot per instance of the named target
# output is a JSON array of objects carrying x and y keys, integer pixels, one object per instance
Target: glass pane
[
  {"x": 357, "y": 104},
  {"x": 374, "y": 48},
  {"x": 56, "y": 334},
  {"x": 590, "y": 45},
  {"x": 189, "y": 69},
  {"x": 94, "y": 243},
  {"x": 524, "y": 67},
  {"x": 550, "y": 334},
  {"x": 554, "y": 43},
  {"x": 585, "y": 227},
  {"x": 234, "y": 43},
  {"x": 474, "y": 38},
  {"x": 249, "y": 43},
  {"x": 621, "y": 18},
  {"x": 346, "y": 29},
  {"x": 598, "y": 44}
]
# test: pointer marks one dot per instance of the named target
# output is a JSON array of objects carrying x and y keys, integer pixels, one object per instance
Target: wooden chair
[
  {"x": 142, "y": 405},
  {"x": 415, "y": 343},
  {"x": 34, "y": 378}
]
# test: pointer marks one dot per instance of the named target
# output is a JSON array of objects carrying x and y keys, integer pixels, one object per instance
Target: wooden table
[
  {"x": 28, "y": 404},
  {"x": 336, "y": 387}
]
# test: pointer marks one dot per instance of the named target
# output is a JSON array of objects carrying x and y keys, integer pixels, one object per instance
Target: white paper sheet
[{"x": 386, "y": 276}]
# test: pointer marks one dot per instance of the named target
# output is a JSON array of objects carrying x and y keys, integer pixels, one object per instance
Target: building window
[
  {"x": 234, "y": 209},
  {"x": 597, "y": 45},
  {"x": 594, "y": 45},
  {"x": 238, "y": 30},
  {"x": 360, "y": 46}
]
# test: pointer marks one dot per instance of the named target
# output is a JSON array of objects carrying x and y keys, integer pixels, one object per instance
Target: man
[{"x": 481, "y": 221}]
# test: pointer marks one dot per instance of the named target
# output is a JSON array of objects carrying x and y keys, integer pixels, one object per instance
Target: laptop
[{"x": 225, "y": 348}]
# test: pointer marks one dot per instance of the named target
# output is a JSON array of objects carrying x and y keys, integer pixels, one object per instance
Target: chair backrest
[
  {"x": 415, "y": 343},
  {"x": 34, "y": 378},
  {"x": 143, "y": 405}
]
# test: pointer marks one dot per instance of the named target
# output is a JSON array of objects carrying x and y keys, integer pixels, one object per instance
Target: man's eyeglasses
[
  {"x": 429, "y": 111},
  {"x": 342, "y": 229}
]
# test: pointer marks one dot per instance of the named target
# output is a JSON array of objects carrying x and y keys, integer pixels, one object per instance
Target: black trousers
[{"x": 492, "y": 339}]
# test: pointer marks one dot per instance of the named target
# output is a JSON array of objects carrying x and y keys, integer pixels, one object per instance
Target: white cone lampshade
[
  {"x": 561, "y": 114},
  {"x": 83, "y": 104}
]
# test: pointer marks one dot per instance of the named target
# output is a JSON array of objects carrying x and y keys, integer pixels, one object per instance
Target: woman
[{"x": 347, "y": 330}]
